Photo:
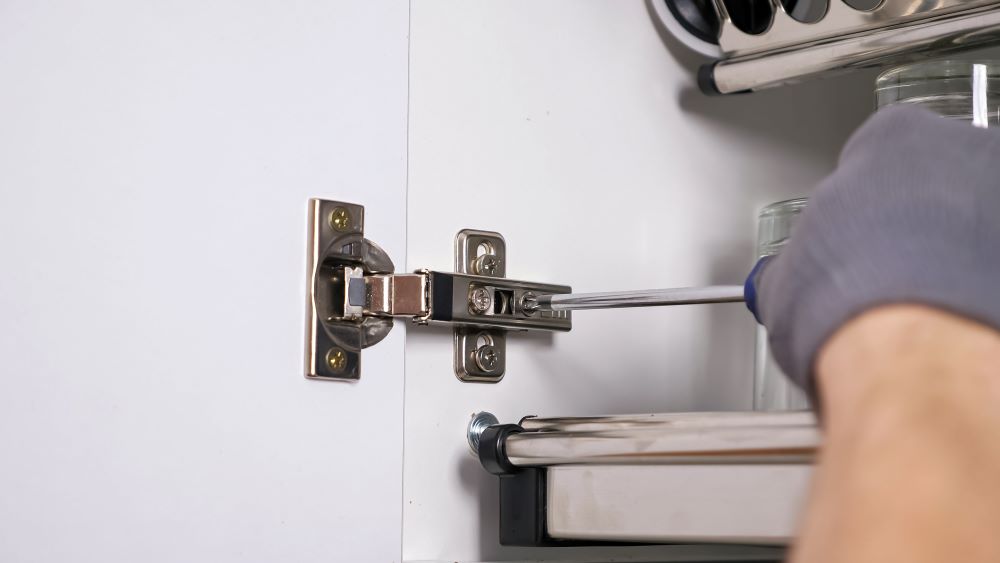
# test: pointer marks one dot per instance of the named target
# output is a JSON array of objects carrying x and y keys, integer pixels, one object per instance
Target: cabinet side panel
[{"x": 576, "y": 131}]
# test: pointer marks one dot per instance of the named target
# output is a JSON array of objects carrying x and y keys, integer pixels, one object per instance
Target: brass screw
[
  {"x": 336, "y": 359},
  {"x": 340, "y": 219}
]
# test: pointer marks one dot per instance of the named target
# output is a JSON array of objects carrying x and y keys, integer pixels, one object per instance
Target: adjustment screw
[
  {"x": 529, "y": 303},
  {"x": 480, "y": 300},
  {"x": 486, "y": 265},
  {"x": 487, "y": 358},
  {"x": 336, "y": 359},
  {"x": 340, "y": 219}
]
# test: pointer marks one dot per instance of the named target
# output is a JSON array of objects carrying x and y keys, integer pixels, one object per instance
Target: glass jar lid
[{"x": 965, "y": 90}]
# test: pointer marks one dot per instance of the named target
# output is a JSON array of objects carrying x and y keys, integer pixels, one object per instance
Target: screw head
[
  {"x": 487, "y": 358},
  {"x": 340, "y": 219},
  {"x": 336, "y": 359},
  {"x": 529, "y": 303},
  {"x": 480, "y": 300},
  {"x": 477, "y": 425},
  {"x": 486, "y": 265}
]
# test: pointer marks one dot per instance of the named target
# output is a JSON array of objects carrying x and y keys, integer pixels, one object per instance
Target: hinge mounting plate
[
  {"x": 336, "y": 331},
  {"x": 481, "y": 353}
]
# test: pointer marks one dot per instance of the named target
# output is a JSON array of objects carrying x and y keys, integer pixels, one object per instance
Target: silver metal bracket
[
  {"x": 354, "y": 295},
  {"x": 339, "y": 255},
  {"x": 481, "y": 353}
]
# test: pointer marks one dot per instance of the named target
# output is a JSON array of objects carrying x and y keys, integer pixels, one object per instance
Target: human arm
[
  {"x": 884, "y": 306},
  {"x": 911, "y": 456}
]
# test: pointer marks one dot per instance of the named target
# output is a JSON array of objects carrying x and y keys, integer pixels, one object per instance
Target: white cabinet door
[{"x": 155, "y": 164}]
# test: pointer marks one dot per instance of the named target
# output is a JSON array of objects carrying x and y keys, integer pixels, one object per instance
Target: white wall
[
  {"x": 573, "y": 129},
  {"x": 155, "y": 161}
]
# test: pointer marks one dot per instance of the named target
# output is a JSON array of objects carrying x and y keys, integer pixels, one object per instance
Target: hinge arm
[
  {"x": 393, "y": 295},
  {"x": 449, "y": 298}
]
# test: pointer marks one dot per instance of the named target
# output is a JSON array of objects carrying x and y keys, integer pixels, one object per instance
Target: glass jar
[
  {"x": 964, "y": 90},
  {"x": 772, "y": 391}
]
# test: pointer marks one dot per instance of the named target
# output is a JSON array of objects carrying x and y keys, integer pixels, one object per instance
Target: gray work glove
[{"x": 910, "y": 215}]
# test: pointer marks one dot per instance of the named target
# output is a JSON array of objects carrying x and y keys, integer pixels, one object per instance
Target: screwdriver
[{"x": 641, "y": 298}]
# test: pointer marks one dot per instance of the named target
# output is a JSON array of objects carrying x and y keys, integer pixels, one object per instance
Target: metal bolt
[
  {"x": 487, "y": 358},
  {"x": 340, "y": 219},
  {"x": 480, "y": 300},
  {"x": 336, "y": 359},
  {"x": 486, "y": 265},
  {"x": 479, "y": 423}
]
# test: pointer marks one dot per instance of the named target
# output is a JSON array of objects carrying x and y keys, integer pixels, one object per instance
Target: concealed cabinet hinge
[{"x": 354, "y": 294}]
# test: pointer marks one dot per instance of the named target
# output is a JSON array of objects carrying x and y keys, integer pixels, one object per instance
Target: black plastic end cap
[
  {"x": 706, "y": 80},
  {"x": 492, "y": 450}
]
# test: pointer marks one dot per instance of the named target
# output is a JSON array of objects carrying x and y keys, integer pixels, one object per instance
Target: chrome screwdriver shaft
[{"x": 641, "y": 298}]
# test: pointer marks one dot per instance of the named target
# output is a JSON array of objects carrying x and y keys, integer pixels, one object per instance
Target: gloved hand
[{"x": 910, "y": 215}]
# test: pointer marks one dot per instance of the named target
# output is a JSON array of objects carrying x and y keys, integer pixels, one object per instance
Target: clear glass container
[
  {"x": 964, "y": 90},
  {"x": 772, "y": 391}
]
